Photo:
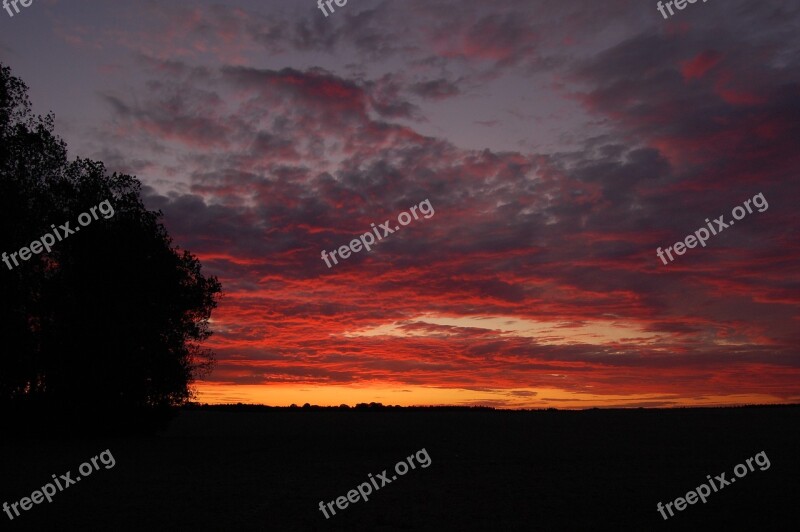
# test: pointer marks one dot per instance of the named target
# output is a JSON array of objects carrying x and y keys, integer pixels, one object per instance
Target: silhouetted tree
[
  {"x": 111, "y": 319},
  {"x": 370, "y": 406}
]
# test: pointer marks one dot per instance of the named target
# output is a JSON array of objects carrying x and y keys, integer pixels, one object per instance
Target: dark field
[{"x": 490, "y": 470}]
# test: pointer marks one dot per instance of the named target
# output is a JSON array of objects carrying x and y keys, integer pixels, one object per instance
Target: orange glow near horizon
[{"x": 285, "y": 395}]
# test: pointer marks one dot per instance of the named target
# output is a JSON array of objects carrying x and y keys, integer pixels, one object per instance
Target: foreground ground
[{"x": 490, "y": 470}]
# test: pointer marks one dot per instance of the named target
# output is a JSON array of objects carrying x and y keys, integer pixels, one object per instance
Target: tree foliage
[{"x": 112, "y": 319}]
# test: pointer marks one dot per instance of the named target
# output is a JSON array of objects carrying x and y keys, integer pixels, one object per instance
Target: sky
[{"x": 559, "y": 144}]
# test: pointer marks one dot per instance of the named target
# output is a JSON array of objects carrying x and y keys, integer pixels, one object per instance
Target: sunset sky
[{"x": 560, "y": 143}]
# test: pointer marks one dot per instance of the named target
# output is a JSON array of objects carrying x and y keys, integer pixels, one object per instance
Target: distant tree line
[{"x": 243, "y": 407}]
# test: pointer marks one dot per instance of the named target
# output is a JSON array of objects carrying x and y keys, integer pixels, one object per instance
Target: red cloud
[{"x": 700, "y": 64}]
